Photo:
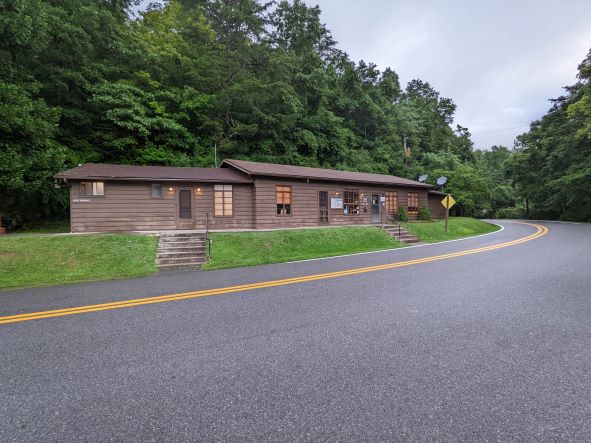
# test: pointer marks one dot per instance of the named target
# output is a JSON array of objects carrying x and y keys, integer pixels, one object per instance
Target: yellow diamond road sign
[{"x": 448, "y": 201}]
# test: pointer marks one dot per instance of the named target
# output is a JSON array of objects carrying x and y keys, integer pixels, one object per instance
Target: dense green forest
[{"x": 88, "y": 81}]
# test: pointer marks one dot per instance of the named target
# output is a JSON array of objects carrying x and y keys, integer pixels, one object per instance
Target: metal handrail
[
  {"x": 391, "y": 220},
  {"x": 207, "y": 239}
]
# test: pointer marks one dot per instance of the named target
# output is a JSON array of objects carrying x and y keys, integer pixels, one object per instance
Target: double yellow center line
[{"x": 540, "y": 231}]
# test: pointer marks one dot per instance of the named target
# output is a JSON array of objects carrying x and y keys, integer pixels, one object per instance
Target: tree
[{"x": 86, "y": 81}]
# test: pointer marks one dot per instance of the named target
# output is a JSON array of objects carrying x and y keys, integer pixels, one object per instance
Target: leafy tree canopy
[{"x": 261, "y": 80}]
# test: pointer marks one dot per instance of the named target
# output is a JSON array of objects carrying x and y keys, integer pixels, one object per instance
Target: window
[
  {"x": 351, "y": 202},
  {"x": 283, "y": 197},
  {"x": 413, "y": 203},
  {"x": 156, "y": 190},
  {"x": 323, "y": 207},
  {"x": 222, "y": 200},
  {"x": 391, "y": 202},
  {"x": 92, "y": 188}
]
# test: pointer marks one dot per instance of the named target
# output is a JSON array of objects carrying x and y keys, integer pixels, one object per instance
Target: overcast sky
[{"x": 500, "y": 61}]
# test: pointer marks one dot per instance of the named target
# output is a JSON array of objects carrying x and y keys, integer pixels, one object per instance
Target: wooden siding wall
[
  {"x": 304, "y": 210},
  {"x": 129, "y": 206},
  {"x": 241, "y": 211},
  {"x": 125, "y": 206},
  {"x": 435, "y": 206}
]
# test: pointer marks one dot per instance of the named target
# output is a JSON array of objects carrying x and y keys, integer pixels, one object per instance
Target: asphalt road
[{"x": 493, "y": 346}]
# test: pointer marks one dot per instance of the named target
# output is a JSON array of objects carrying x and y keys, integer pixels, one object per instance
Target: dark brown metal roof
[
  {"x": 102, "y": 171},
  {"x": 271, "y": 169}
]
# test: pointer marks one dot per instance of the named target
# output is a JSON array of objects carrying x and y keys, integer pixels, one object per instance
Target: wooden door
[
  {"x": 185, "y": 209},
  {"x": 323, "y": 207}
]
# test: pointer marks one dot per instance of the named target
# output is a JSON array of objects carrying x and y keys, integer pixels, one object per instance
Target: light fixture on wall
[
  {"x": 170, "y": 189},
  {"x": 198, "y": 189}
]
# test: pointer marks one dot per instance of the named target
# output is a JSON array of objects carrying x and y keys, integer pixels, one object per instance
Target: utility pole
[{"x": 406, "y": 151}]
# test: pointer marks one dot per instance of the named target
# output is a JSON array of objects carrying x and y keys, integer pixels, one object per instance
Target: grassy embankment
[
  {"x": 27, "y": 261},
  {"x": 458, "y": 227},
  {"x": 230, "y": 250}
]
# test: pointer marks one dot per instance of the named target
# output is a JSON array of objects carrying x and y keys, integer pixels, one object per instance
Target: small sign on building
[{"x": 336, "y": 203}]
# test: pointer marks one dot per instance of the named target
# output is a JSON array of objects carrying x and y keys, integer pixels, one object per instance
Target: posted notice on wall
[{"x": 336, "y": 203}]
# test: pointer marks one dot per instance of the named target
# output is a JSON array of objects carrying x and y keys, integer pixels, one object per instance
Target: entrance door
[
  {"x": 375, "y": 208},
  {"x": 323, "y": 207},
  {"x": 185, "y": 216}
]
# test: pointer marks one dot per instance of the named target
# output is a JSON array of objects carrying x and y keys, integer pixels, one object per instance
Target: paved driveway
[{"x": 492, "y": 345}]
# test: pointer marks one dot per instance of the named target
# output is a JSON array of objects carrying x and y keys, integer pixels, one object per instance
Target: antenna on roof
[
  {"x": 215, "y": 155},
  {"x": 442, "y": 180},
  {"x": 423, "y": 178}
]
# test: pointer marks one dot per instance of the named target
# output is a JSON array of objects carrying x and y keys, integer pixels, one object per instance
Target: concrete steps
[
  {"x": 181, "y": 250},
  {"x": 400, "y": 234}
]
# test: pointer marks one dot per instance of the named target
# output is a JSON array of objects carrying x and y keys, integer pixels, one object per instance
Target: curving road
[{"x": 487, "y": 338}]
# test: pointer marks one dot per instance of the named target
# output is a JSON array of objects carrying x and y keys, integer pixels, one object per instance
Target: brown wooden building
[{"x": 237, "y": 195}]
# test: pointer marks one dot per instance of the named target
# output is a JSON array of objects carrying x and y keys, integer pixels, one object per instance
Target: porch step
[
  {"x": 182, "y": 234},
  {"x": 400, "y": 234},
  {"x": 181, "y": 250},
  {"x": 165, "y": 266},
  {"x": 183, "y": 237},
  {"x": 169, "y": 262},
  {"x": 180, "y": 254},
  {"x": 180, "y": 243}
]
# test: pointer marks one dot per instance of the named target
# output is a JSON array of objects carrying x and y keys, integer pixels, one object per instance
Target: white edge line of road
[{"x": 400, "y": 249}]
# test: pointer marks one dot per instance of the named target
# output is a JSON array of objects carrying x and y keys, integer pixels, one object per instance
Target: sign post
[{"x": 447, "y": 202}]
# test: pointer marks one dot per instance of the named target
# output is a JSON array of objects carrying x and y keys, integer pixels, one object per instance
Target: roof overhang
[
  {"x": 151, "y": 179},
  {"x": 339, "y": 180},
  {"x": 318, "y": 179}
]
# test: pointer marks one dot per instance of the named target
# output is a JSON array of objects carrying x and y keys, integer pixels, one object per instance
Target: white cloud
[{"x": 500, "y": 61}]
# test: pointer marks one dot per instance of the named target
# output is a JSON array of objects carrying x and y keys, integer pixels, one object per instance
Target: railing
[
  {"x": 390, "y": 220},
  {"x": 207, "y": 239}
]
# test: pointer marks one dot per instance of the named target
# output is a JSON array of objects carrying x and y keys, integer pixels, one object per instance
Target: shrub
[
  {"x": 425, "y": 214},
  {"x": 402, "y": 215},
  {"x": 514, "y": 212}
]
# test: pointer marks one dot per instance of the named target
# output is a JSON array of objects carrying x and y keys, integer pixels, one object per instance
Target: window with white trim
[
  {"x": 92, "y": 188},
  {"x": 222, "y": 200},
  {"x": 283, "y": 199}
]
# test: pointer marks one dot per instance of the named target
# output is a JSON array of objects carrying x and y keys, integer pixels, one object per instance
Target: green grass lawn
[
  {"x": 458, "y": 227},
  {"x": 44, "y": 261},
  {"x": 231, "y": 250},
  {"x": 36, "y": 260}
]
